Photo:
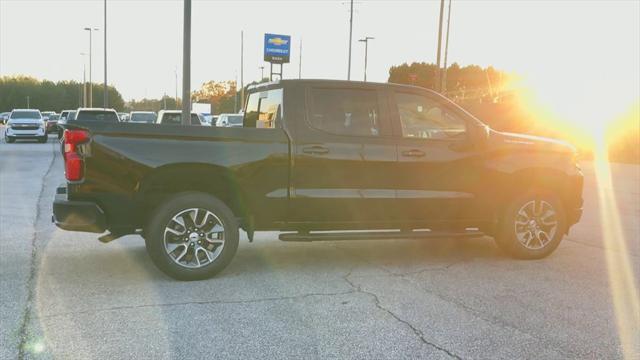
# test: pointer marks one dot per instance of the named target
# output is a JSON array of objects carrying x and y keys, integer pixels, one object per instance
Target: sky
[{"x": 568, "y": 51}]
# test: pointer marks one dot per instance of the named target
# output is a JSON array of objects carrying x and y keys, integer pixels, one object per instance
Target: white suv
[{"x": 25, "y": 124}]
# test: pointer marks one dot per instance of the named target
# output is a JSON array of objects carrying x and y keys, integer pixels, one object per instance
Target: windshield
[
  {"x": 97, "y": 115},
  {"x": 143, "y": 117},
  {"x": 25, "y": 114}
]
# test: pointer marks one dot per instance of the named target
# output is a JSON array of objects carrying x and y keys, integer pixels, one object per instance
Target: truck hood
[{"x": 533, "y": 142}]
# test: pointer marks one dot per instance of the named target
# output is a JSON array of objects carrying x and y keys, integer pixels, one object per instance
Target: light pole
[
  {"x": 300, "y": 61},
  {"x": 366, "y": 50},
  {"x": 438, "y": 71},
  {"x": 84, "y": 80},
  {"x": 446, "y": 52},
  {"x": 350, "y": 39},
  {"x": 241, "y": 69},
  {"x": 261, "y": 73},
  {"x": 90, "y": 30},
  {"x": 105, "y": 100},
  {"x": 186, "y": 64}
]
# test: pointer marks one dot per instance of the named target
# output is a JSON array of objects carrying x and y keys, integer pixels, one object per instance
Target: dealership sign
[{"x": 277, "y": 48}]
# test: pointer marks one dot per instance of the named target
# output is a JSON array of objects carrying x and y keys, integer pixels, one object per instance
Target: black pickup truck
[{"x": 317, "y": 160}]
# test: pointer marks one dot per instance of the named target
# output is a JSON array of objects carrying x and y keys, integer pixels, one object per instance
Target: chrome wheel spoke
[{"x": 182, "y": 254}]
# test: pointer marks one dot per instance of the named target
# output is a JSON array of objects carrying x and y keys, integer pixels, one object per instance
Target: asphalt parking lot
[{"x": 65, "y": 295}]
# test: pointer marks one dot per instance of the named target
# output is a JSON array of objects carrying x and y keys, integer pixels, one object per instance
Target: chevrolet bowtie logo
[{"x": 278, "y": 41}]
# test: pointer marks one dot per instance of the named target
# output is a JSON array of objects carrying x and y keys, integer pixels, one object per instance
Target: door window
[
  {"x": 345, "y": 111},
  {"x": 264, "y": 109},
  {"x": 421, "y": 117}
]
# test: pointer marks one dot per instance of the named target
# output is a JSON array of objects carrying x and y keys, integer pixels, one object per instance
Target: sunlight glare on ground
[{"x": 619, "y": 266}]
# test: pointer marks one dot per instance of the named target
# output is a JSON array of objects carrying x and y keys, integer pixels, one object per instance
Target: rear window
[
  {"x": 25, "y": 115},
  {"x": 143, "y": 117},
  {"x": 107, "y": 116},
  {"x": 263, "y": 110},
  {"x": 54, "y": 117},
  {"x": 176, "y": 119}
]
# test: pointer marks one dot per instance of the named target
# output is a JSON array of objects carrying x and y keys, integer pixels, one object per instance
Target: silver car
[{"x": 25, "y": 124}]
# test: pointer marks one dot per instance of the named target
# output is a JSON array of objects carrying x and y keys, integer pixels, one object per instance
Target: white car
[
  {"x": 174, "y": 117},
  {"x": 148, "y": 117},
  {"x": 25, "y": 124},
  {"x": 95, "y": 114},
  {"x": 230, "y": 120}
]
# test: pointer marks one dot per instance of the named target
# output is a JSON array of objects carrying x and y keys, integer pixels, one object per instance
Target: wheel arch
[{"x": 169, "y": 180}]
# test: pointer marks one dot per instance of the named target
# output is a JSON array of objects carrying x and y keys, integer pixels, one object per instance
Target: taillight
[{"x": 73, "y": 162}]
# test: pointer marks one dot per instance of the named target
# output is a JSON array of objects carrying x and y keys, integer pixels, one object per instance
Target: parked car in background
[
  {"x": 229, "y": 120},
  {"x": 25, "y": 124},
  {"x": 174, "y": 117},
  {"x": 208, "y": 119},
  {"x": 148, "y": 117},
  {"x": 52, "y": 123},
  {"x": 342, "y": 156},
  {"x": 3, "y": 117},
  {"x": 123, "y": 116},
  {"x": 65, "y": 116},
  {"x": 47, "y": 114}
]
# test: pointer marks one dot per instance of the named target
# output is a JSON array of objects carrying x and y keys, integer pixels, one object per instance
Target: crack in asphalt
[
  {"x": 415, "y": 330},
  {"x": 210, "y": 302},
  {"x": 489, "y": 319},
  {"x": 26, "y": 316}
]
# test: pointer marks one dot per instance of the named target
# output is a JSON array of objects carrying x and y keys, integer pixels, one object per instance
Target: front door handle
[
  {"x": 315, "y": 150},
  {"x": 413, "y": 153}
]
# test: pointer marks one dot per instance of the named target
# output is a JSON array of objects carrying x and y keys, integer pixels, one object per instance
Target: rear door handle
[
  {"x": 315, "y": 150},
  {"x": 413, "y": 153}
]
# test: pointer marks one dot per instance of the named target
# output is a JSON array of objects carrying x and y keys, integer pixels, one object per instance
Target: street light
[
  {"x": 261, "y": 72},
  {"x": 366, "y": 50},
  {"x": 90, "y": 30},
  {"x": 84, "y": 80},
  {"x": 105, "y": 99}
]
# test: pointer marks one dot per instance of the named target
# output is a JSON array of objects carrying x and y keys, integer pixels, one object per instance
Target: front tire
[
  {"x": 192, "y": 236},
  {"x": 532, "y": 226},
  {"x": 10, "y": 139}
]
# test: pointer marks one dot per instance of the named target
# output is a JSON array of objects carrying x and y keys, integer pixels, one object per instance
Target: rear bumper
[{"x": 77, "y": 215}]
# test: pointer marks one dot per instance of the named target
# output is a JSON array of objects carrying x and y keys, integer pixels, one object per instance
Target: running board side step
[{"x": 376, "y": 235}]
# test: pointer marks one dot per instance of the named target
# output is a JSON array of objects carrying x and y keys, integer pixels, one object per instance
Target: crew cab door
[
  {"x": 438, "y": 174},
  {"x": 343, "y": 157}
]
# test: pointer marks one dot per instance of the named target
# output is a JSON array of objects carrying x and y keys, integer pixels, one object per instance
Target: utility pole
[
  {"x": 300, "y": 61},
  {"x": 446, "y": 52},
  {"x": 176, "y": 73},
  {"x": 90, "y": 56},
  {"x": 28, "y": 105},
  {"x": 84, "y": 80},
  {"x": 105, "y": 100},
  {"x": 350, "y": 40},
  {"x": 439, "y": 46},
  {"x": 241, "y": 69},
  {"x": 186, "y": 65},
  {"x": 366, "y": 50}
]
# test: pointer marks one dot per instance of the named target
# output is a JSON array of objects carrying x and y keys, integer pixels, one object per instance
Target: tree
[{"x": 49, "y": 96}]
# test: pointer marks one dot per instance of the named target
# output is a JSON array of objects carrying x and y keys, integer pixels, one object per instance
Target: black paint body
[{"x": 295, "y": 177}]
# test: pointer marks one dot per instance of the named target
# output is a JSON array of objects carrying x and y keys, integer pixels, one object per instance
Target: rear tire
[
  {"x": 532, "y": 226},
  {"x": 176, "y": 244},
  {"x": 43, "y": 139},
  {"x": 10, "y": 139}
]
